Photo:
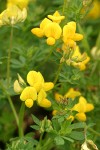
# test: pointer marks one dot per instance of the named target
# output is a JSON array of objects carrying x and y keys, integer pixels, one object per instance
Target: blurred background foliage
[{"x": 32, "y": 53}]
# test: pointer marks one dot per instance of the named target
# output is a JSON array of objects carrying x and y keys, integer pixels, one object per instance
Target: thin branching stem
[
  {"x": 21, "y": 117},
  {"x": 10, "y": 102},
  {"x": 9, "y": 57},
  {"x": 58, "y": 72}
]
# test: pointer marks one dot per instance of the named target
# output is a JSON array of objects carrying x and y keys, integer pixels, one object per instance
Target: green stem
[
  {"x": 64, "y": 6},
  {"x": 57, "y": 74},
  {"x": 40, "y": 142},
  {"x": 21, "y": 116},
  {"x": 9, "y": 57},
  {"x": 11, "y": 103},
  {"x": 94, "y": 132}
]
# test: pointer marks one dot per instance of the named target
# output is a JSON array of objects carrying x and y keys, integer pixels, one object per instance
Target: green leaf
[
  {"x": 68, "y": 139},
  {"x": 78, "y": 125},
  {"x": 77, "y": 135},
  {"x": 36, "y": 120},
  {"x": 35, "y": 127},
  {"x": 59, "y": 140},
  {"x": 55, "y": 124},
  {"x": 90, "y": 125}
]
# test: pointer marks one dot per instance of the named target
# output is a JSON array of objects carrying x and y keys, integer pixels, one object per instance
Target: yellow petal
[
  {"x": 82, "y": 66},
  {"x": 54, "y": 112},
  {"x": 41, "y": 95},
  {"x": 72, "y": 93},
  {"x": 42, "y": 101},
  {"x": 38, "y": 32},
  {"x": 28, "y": 93},
  {"x": 80, "y": 116},
  {"x": 50, "y": 41},
  {"x": 77, "y": 37},
  {"x": 79, "y": 107},
  {"x": 34, "y": 77},
  {"x": 69, "y": 30},
  {"x": 58, "y": 97},
  {"x": 77, "y": 53},
  {"x": 48, "y": 86},
  {"x": 44, "y": 22},
  {"x": 29, "y": 103},
  {"x": 70, "y": 117},
  {"x": 72, "y": 23},
  {"x": 89, "y": 107},
  {"x": 20, "y": 3},
  {"x": 95, "y": 11},
  {"x": 53, "y": 30},
  {"x": 56, "y": 17},
  {"x": 45, "y": 103},
  {"x": 17, "y": 87},
  {"x": 69, "y": 42}
]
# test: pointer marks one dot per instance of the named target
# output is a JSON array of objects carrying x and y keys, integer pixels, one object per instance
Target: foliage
[{"x": 42, "y": 126}]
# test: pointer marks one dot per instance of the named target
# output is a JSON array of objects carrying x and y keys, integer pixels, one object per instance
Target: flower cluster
[
  {"x": 12, "y": 15},
  {"x": 35, "y": 91},
  {"x": 76, "y": 59},
  {"x": 81, "y": 107},
  {"x": 51, "y": 29}
]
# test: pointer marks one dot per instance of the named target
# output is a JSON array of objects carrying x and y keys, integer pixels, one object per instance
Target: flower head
[
  {"x": 13, "y": 15},
  {"x": 78, "y": 60},
  {"x": 70, "y": 94},
  {"x": 82, "y": 107},
  {"x": 69, "y": 34},
  {"x": 18, "y": 84},
  {"x": 53, "y": 32},
  {"x": 56, "y": 17}
]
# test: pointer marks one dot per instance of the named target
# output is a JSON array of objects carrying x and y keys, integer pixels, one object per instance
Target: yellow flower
[
  {"x": 17, "y": 87},
  {"x": 56, "y": 17},
  {"x": 78, "y": 60},
  {"x": 71, "y": 117},
  {"x": 82, "y": 107},
  {"x": 29, "y": 95},
  {"x": 54, "y": 112},
  {"x": 49, "y": 29},
  {"x": 36, "y": 80},
  {"x": 20, "y": 3},
  {"x": 95, "y": 11},
  {"x": 39, "y": 32},
  {"x": 95, "y": 52},
  {"x": 69, "y": 35},
  {"x": 89, "y": 145},
  {"x": 13, "y": 15},
  {"x": 42, "y": 101},
  {"x": 18, "y": 84},
  {"x": 53, "y": 32},
  {"x": 58, "y": 97},
  {"x": 70, "y": 94}
]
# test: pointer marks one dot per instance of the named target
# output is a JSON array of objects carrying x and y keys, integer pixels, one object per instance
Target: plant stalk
[
  {"x": 11, "y": 103},
  {"x": 9, "y": 57},
  {"x": 21, "y": 117},
  {"x": 57, "y": 74}
]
